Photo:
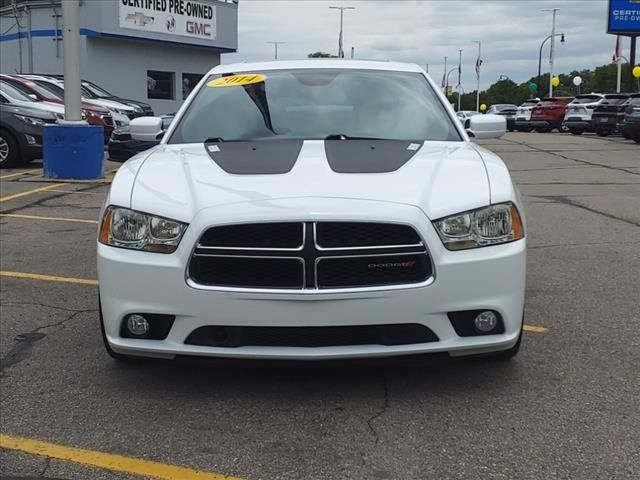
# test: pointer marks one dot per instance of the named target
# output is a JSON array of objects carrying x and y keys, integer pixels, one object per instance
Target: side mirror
[
  {"x": 146, "y": 129},
  {"x": 487, "y": 126}
]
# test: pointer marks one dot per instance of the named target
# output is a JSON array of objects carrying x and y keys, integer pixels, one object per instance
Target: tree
[{"x": 319, "y": 55}]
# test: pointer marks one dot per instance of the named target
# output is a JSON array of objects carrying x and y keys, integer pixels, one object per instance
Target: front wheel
[
  {"x": 602, "y": 133},
  {"x": 576, "y": 132},
  {"x": 8, "y": 150}
]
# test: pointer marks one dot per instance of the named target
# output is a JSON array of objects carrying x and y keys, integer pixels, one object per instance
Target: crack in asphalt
[
  {"x": 585, "y": 162},
  {"x": 40, "y": 202},
  {"x": 25, "y": 341},
  {"x": 381, "y": 411},
  {"x": 36, "y": 304},
  {"x": 47, "y": 462},
  {"x": 567, "y": 201},
  {"x": 590, "y": 244}
]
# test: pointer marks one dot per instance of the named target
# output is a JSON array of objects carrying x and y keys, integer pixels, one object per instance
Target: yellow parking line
[
  {"x": 107, "y": 461},
  {"x": 29, "y": 192},
  {"x": 70, "y": 192},
  {"x": 12, "y": 175},
  {"x": 534, "y": 329},
  {"x": 55, "y": 219},
  {"x": 48, "y": 278}
]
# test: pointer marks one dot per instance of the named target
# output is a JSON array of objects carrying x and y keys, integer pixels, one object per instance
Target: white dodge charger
[{"x": 313, "y": 210}]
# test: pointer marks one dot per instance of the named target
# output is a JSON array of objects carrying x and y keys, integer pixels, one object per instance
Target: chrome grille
[{"x": 309, "y": 256}]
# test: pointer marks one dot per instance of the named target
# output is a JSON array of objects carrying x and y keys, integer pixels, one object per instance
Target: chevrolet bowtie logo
[{"x": 140, "y": 19}]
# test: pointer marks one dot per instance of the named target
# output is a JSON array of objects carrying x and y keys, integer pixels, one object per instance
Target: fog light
[
  {"x": 486, "y": 321},
  {"x": 30, "y": 140},
  {"x": 137, "y": 325}
]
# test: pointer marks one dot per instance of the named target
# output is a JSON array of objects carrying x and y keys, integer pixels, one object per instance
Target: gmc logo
[{"x": 200, "y": 29}]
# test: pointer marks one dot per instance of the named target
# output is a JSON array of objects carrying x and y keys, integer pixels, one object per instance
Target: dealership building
[{"x": 149, "y": 50}]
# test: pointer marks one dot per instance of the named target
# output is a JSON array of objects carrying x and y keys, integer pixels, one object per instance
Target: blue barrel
[{"x": 73, "y": 152}]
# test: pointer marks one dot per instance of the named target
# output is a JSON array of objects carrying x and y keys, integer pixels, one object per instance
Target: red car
[
  {"x": 94, "y": 114},
  {"x": 549, "y": 114}
]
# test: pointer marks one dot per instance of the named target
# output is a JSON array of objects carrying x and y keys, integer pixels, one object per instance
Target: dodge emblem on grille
[{"x": 409, "y": 264}]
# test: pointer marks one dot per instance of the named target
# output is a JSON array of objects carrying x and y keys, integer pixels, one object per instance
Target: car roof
[{"x": 331, "y": 63}]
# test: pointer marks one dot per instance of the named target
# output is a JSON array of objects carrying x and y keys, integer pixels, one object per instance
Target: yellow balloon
[
  {"x": 636, "y": 71},
  {"x": 483, "y": 107},
  {"x": 555, "y": 81}
]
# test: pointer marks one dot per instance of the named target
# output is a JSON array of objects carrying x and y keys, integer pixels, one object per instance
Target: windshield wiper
[{"x": 342, "y": 136}]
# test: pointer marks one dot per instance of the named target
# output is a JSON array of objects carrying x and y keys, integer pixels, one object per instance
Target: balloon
[
  {"x": 555, "y": 81},
  {"x": 483, "y": 107},
  {"x": 577, "y": 81},
  {"x": 533, "y": 87},
  {"x": 636, "y": 71}
]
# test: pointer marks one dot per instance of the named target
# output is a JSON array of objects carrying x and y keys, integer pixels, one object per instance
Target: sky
[{"x": 424, "y": 32}]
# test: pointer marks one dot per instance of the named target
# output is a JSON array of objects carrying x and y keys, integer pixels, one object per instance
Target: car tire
[
  {"x": 636, "y": 139},
  {"x": 576, "y": 132},
  {"x": 602, "y": 133},
  {"x": 525, "y": 129},
  {"x": 9, "y": 154},
  {"x": 543, "y": 130}
]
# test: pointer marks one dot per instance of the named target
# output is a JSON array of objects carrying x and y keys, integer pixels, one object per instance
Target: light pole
[
  {"x": 553, "y": 45},
  {"x": 444, "y": 74},
  {"x": 342, "y": 9},
  {"x": 561, "y": 35},
  {"x": 459, "y": 86},
  {"x": 275, "y": 44}
]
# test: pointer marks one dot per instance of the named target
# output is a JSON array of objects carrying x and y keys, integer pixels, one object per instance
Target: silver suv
[{"x": 578, "y": 117}]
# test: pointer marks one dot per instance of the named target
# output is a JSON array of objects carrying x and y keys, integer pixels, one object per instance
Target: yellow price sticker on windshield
[{"x": 237, "y": 80}]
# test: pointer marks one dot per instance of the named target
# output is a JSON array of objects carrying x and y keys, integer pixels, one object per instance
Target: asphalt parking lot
[{"x": 566, "y": 408}]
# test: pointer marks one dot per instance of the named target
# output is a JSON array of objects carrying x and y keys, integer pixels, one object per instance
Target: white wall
[{"x": 121, "y": 67}]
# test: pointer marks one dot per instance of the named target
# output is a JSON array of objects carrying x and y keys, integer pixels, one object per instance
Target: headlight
[
  {"x": 126, "y": 228},
  {"x": 137, "y": 108},
  {"x": 480, "y": 228},
  {"x": 35, "y": 121}
]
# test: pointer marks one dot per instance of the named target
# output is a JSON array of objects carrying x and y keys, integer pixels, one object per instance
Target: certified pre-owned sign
[{"x": 190, "y": 18}]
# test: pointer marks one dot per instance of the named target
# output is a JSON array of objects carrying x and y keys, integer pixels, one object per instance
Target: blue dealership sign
[{"x": 624, "y": 17}]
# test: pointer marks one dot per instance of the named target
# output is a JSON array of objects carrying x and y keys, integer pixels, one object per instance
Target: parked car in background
[
  {"x": 631, "y": 125},
  {"x": 122, "y": 147},
  {"x": 121, "y": 113},
  {"x": 523, "y": 114},
  {"x": 101, "y": 94},
  {"x": 95, "y": 115},
  {"x": 609, "y": 114},
  {"x": 21, "y": 133},
  {"x": 508, "y": 111},
  {"x": 549, "y": 114},
  {"x": 465, "y": 115},
  {"x": 631, "y": 105},
  {"x": 578, "y": 117},
  {"x": 11, "y": 95}
]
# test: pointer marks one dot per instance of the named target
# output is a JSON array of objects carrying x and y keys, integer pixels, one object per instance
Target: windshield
[
  {"x": 14, "y": 93},
  {"x": 96, "y": 90},
  {"x": 315, "y": 104},
  {"x": 51, "y": 87},
  {"x": 36, "y": 88},
  {"x": 586, "y": 99}
]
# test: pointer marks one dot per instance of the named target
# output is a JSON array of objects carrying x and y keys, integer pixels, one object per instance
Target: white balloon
[{"x": 577, "y": 81}]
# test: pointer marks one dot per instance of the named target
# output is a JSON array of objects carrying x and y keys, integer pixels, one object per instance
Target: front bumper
[{"x": 485, "y": 278}]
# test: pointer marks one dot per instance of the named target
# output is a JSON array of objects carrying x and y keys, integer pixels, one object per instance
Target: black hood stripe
[{"x": 277, "y": 157}]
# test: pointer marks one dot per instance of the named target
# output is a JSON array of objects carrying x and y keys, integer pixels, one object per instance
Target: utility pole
[
  {"x": 342, "y": 9},
  {"x": 478, "y": 65},
  {"x": 275, "y": 44},
  {"x": 71, "y": 38},
  {"x": 552, "y": 49},
  {"x": 459, "y": 78}
]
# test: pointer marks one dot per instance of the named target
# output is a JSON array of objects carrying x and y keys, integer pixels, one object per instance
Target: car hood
[{"x": 177, "y": 181}]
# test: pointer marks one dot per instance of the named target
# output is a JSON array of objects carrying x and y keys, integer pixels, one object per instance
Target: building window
[
  {"x": 161, "y": 85},
  {"x": 189, "y": 82}
]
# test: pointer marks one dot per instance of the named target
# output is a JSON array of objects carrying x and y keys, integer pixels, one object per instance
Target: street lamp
[
  {"x": 553, "y": 45},
  {"x": 275, "y": 44},
  {"x": 342, "y": 9},
  {"x": 561, "y": 35}
]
